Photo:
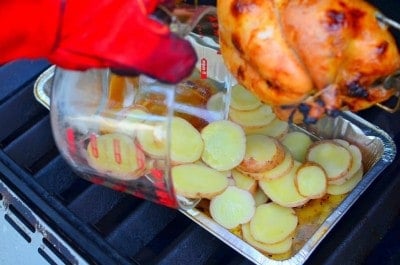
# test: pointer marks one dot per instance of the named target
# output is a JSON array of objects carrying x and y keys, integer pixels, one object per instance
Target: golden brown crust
[
  {"x": 256, "y": 52},
  {"x": 327, "y": 54}
]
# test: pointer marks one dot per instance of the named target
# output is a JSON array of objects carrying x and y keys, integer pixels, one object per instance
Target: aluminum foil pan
[{"x": 378, "y": 151}]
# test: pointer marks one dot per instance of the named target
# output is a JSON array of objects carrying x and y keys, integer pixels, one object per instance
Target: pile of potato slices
[
  {"x": 261, "y": 179},
  {"x": 265, "y": 181}
]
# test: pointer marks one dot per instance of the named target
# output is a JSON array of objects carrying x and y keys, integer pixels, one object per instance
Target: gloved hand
[{"x": 82, "y": 34}]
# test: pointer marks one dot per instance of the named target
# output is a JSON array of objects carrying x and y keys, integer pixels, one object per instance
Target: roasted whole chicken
[{"x": 308, "y": 58}]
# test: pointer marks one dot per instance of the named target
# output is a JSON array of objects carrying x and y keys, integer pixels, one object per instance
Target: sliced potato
[
  {"x": 152, "y": 139},
  {"x": 136, "y": 114},
  {"x": 335, "y": 159},
  {"x": 134, "y": 119},
  {"x": 232, "y": 207},
  {"x": 311, "y": 180},
  {"x": 186, "y": 142},
  {"x": 281, "y": 169},
  {"x": 283, "y": 190},
  {"x": 342, "y": 142},
  {"x": 260, "y": 197},
  {"x": 347, "y": 186},
  {"x": 243, "y": 99},
  {"x": 272, "y": 223},
  {"x": 298, "y": 143},
  {"x": 216, "y": 105},
  {"x": 262, "y": 153},
  {"x": 244, "y": 182},
  {"x": 276, "y": 128},
  {"x": 355, "y": 165},
  {"x": 224, "y": 145},
  {"x": 116, "y": 154},
  {"x": 127, "y": 121},
  {"x": 227, "y": 173},
  {"x": 198, "y": 181},
  {"x": 275, "y": 248},
  {"x": 259, "y": 117},
  {"x": 215, "y": 102}
]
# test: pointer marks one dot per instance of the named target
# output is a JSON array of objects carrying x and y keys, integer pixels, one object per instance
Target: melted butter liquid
[{"x": 194, "y": 92}]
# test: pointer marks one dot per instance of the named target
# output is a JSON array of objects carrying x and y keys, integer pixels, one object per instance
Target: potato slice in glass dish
[
  {"x": 116, "y": 155},
  {"x": 198, "y": 181}
]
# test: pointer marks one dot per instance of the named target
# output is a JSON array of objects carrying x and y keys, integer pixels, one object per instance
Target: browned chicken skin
[{"x": 312, "y": 56}]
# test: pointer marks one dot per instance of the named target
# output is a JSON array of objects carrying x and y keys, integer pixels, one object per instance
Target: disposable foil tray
[{"x": 378, "y": 151}]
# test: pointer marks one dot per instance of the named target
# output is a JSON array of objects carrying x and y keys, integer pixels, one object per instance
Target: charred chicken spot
[
  {"x": 382, "y": 48},
  {"x": 304, "y": 109},
  {"x": 342, "y": 4},
  {"x": 241, "y": 73},
  {"x": 236, "y": 43},
  {"x": 355, "y": 15},
  {"x": 347, "y": 17},
  {"x": 357, "y": 90},
  {"x": 333, "y": 113},
  {"x": 269, "y": 83},
  {"x": 310, "y": 120},
  {"x": 335, "y": 20},
  {"x": 287, "y": 107},
  {"x": 320, "y": 102}
]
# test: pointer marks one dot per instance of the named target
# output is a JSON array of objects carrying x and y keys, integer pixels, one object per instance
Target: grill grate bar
[
  {"x": 99, "y": 199},
  {"x": 77, "y": 187},
  {"x": 44, "y": 160},
  {"x": 19, "y": 114},
  {"x": 140, "y": 227},
  {"x": 33, "y": 145},
  {"x": 193, "y": 246},
  {"x": 114, "y": 217},
  {"x": 163, "y": 239},
  {"x": 56, "y": 176}
]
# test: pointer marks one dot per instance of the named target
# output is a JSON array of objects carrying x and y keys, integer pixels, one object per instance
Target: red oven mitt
[{"x": 82, "y": 34}]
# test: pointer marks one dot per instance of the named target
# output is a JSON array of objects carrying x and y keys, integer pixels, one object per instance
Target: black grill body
[{"x": 103, "y": 226}]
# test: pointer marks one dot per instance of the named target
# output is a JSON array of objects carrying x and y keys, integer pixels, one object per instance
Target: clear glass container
[{"x": 117, "y": 131}]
